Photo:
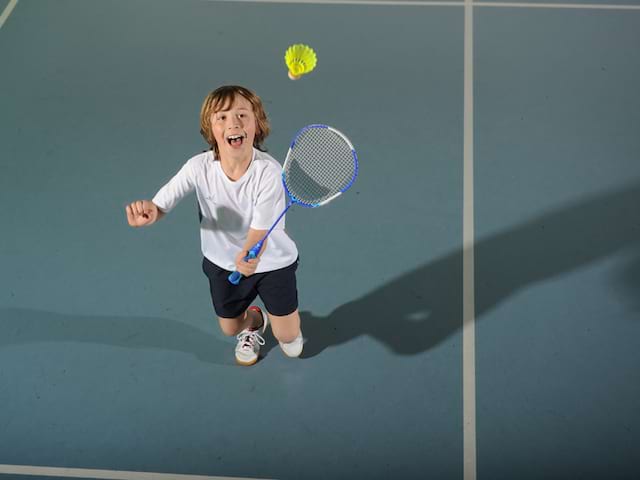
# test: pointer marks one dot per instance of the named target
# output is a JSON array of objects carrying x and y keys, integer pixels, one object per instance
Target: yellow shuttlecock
[{"x": 300, "y": 59}]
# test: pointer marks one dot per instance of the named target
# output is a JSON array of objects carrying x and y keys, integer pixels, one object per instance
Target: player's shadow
[{"x": 423, "y": 307}]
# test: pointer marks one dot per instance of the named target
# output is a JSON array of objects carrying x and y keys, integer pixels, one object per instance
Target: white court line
[
  {"x": 104, "y": 474},
  {"x": 578, "y": 6},
  {"x": 427, "y": 3},
  {"x": 366, "y": 3},
  {"x": 7, "y": 11},
  {"x": 468, "y": 286}
]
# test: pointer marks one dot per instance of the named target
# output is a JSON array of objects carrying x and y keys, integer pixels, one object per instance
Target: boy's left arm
[{"x": 269, "y": 203}]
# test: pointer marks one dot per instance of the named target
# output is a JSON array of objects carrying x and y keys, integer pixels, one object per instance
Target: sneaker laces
[{"x": 249, "y": 339}]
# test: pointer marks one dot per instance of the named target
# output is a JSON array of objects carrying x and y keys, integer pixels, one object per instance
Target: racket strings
[{"x": 320, "y": 165}]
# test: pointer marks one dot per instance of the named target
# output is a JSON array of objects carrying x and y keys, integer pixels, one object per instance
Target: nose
[{"x": 235, "y": 121}]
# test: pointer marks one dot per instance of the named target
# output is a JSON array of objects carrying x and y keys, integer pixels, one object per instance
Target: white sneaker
[
  {"x": 293, "y": 349},
  {"x": 249, "y": 341}
]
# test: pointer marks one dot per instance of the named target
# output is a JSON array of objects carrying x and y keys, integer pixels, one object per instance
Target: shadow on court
[
  {"x": 411, "y": 314},
  {"x": 21, "y": 326},
  {"x": 422, "y": 308}
]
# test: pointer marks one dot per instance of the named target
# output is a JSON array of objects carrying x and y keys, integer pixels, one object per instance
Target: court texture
[{"x": 471, "y": 306}]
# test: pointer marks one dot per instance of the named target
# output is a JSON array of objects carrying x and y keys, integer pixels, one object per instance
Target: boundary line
[
  {"x": 468, "y": 286},
  {"x": 436, "y": 3},
  {"x": 7, "y": 11},
  {"x": 104, "y": 474},
  {"x": 575, "y": 6}
]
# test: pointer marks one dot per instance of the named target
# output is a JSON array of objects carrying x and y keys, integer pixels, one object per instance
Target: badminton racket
[{"x": 320, "y": 165}]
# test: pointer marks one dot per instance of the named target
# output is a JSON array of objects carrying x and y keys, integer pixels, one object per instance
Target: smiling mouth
[{"x": 236, "y": 140}]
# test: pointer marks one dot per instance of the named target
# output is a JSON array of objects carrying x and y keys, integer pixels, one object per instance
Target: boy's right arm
[
  {"x": 143, "y": 213},
  {"x": 146, "y": 212}
]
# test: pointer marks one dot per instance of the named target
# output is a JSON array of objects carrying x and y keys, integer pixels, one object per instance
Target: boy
[{"x": 240, "y": 195}]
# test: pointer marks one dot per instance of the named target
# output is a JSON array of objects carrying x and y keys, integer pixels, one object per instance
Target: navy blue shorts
[{"x": 277, "y": 289}]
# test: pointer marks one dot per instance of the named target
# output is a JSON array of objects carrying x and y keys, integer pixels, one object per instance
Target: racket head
[{"x": 320, "y": 165}]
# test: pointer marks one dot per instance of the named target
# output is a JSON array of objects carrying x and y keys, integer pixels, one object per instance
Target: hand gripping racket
[{"x": 320, "y": 165}]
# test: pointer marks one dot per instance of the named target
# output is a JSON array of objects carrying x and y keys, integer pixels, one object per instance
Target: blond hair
[{"x": 223, "y": 97}]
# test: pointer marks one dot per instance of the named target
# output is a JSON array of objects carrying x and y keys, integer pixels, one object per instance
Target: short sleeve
[
  {"x": 177, "y": 188},
  {"x": 270, "y": 202}
]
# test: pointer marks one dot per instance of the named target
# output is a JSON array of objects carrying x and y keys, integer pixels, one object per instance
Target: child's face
[{"x": 234, "y": 128}]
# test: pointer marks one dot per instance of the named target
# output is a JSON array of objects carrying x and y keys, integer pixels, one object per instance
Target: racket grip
[{"x": 236, "y": 276}]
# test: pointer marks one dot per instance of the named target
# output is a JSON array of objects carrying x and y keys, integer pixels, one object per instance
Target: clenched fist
[
  {"x": 246, "y": 267},
  {"x": 142, "y": 213}
]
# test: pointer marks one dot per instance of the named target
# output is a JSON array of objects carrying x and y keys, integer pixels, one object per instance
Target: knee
[
  {"x": 229, "y": 326},
  {"x": 285, "y": 328}
]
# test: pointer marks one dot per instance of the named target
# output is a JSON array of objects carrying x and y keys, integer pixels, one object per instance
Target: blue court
[{"x": 112, "y": 363}]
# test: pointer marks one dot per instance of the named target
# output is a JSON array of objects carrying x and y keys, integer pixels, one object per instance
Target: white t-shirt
[{"x": 230, "y": 208}]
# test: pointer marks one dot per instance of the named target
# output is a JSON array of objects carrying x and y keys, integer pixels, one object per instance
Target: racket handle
[{"x": 236, "y": 276}]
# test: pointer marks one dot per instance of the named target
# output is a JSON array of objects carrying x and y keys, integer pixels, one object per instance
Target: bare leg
[
  {"x": 233, "y": 326},
  {"x": 285, "y": 328}
]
